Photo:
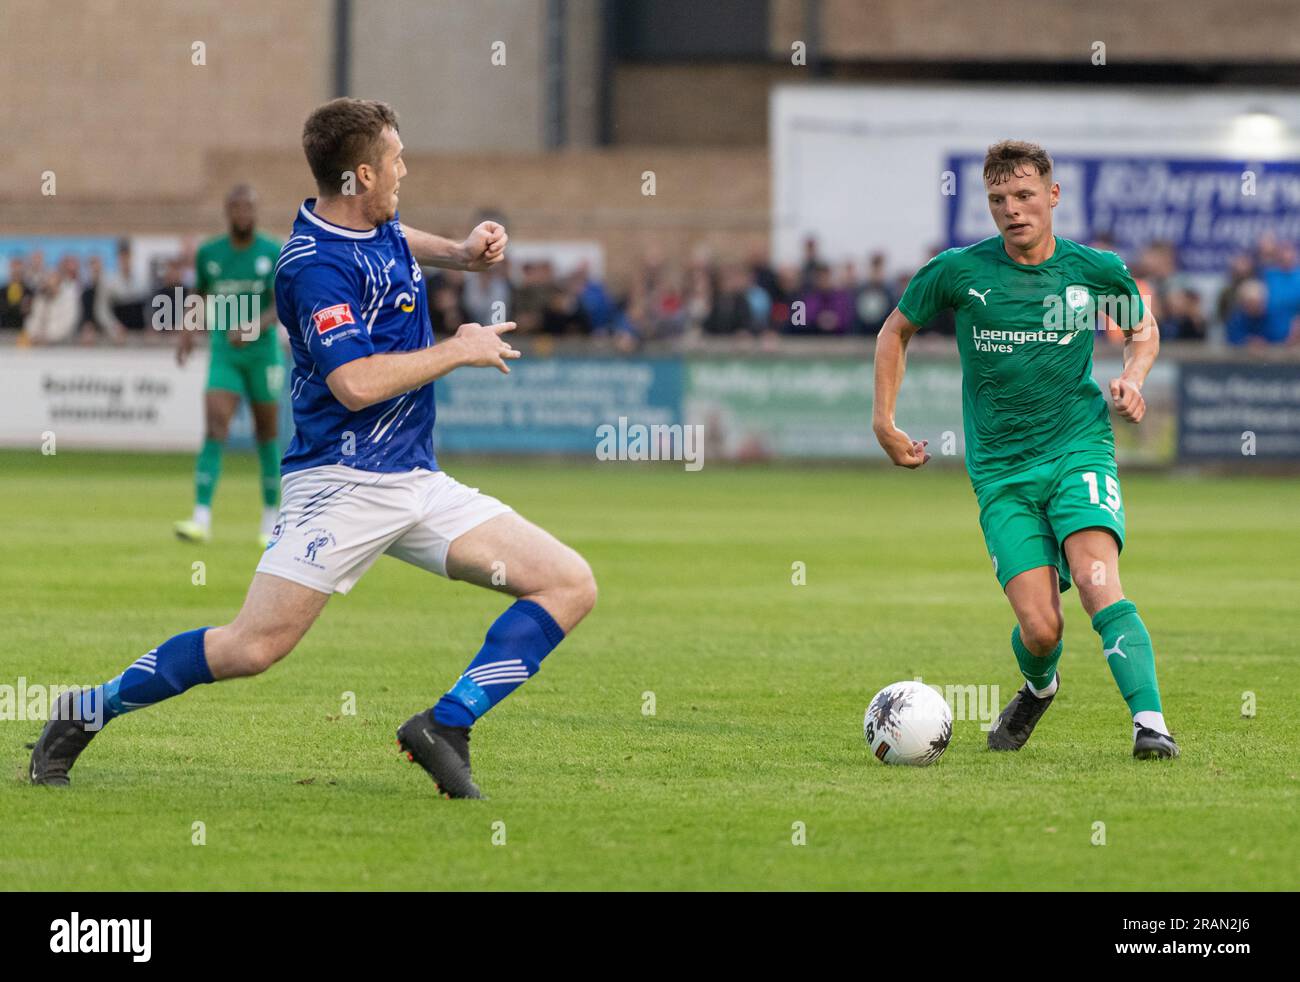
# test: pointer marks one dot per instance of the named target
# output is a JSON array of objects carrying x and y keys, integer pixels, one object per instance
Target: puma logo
[
  {"x": 1107, "y": 652},
  {"x": 975, "y": 293}
]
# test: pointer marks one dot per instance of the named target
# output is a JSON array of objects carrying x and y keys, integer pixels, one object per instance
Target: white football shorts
[{"x": 335, "y": 521}]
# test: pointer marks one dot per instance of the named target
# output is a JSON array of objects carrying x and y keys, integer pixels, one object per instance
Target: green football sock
[
  {"x": 1038, "y": 672},
  {"x": 1128, "y": 651},
  {"x": 207, "y": 472},
  {"x": 268, "y": 459}
]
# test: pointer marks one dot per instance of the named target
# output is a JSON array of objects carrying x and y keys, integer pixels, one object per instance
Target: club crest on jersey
[
  {"x": 1076, "y": 297},
  {"x": 333, "y": 317}
]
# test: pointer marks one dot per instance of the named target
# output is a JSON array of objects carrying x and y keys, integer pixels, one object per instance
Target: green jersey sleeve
[
  {"x": 1124, "y": 304},
  {"x": 929, "y": 291},
  {"x": 201, "y": 282}
]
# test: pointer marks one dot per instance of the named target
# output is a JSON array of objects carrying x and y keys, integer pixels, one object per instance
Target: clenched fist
[{"x": 1127, "y": 396}]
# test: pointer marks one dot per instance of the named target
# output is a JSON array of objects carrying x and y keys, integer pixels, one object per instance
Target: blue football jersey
[{"x": 344, "y": 294}]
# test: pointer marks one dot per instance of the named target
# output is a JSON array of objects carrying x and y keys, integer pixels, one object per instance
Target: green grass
[{"x": 759, "y": 686}]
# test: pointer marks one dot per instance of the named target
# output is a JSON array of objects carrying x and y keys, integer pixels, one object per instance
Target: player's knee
[
  {"x": 1098, "y": 591},
  {"x": 572, "y": 589},
  {"x": 1041, "y": 631},
  {"x": 257, "y": 654},
  {"x": 578, "y": 584},
  {"x": 217, "y": 430}
]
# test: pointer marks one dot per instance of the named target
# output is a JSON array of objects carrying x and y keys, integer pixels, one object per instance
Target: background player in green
[
  {"x": 1039, "y": 447},
  {"x": 236, "y": 273}
]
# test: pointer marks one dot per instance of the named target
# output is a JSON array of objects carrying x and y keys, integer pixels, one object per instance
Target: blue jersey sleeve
[{"x": 327, "y": 312}]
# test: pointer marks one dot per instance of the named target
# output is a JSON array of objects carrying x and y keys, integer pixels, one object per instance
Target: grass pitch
[{"x": 758, "y": 688}]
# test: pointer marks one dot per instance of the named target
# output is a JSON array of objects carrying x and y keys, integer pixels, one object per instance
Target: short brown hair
[
  {"x": 342, "y": 134},
  {"x": 1007, "y": 157}
]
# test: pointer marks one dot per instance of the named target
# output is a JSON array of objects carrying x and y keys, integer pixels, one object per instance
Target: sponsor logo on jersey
[
  {"x": 992, "y": 339},
  {"x": 351, "y": 332},
  {"x": 333, "y": 317},
  {"x": 404, "y": 302}
]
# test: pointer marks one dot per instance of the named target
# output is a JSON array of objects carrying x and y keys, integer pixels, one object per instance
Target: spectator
[
  {"x": 16, "y": 300},
  {"x": 120, "y": 299},
  {"x": 656, "y": 303},
  {"x": 602, "y": 311},
  {"x": 760, "y": 300},
  {"x": 874, "y": 300},
  {"x": 532, "y": 296},
  {"x": 811, "y": 261},
  {"x": 96, "y": 313},
  {"x": 1185, "y": 319},
  {"x": 171, "y": 286},
  {"x": 787, "y": 292},
  {"x": 829, "y": 307},
  {"x": 732, "y": 312},
  {"x": 1281, "y": 277},
  {"x": 56, "y": 309},
  {"x": 446, "y": 313},
  {"x": 699, "y": 299},
  {"x": 86, "y": 332},
  {"x": 1251, "y": 322},
  {"x": 764, "y": 274},
  {"x": 1240, "y": 268},
  {"x": 564, "y": 315},
  {"x": 486, "y": 295},
  {"x": 36, "y": 273}
]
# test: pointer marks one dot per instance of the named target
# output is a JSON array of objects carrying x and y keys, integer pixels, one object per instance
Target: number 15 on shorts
[{"x": 1112, "y": 502}]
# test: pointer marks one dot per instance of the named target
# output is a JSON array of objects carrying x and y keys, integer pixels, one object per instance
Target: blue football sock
[
  {"x": 168, "y": 670},
  {"x": 516, "y": 643}
]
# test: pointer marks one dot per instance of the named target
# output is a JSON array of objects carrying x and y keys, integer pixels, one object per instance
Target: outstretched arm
[
  {"x": 377, "y": 378},
  {"x": 891, "y": 361},
  {"x": 484, "y": 247}
]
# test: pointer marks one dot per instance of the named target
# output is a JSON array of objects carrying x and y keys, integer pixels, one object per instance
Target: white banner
[{"x": 129, "y": 399}]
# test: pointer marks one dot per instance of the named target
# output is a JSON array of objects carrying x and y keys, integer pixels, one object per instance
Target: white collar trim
[{"x": 347, "y": 233}]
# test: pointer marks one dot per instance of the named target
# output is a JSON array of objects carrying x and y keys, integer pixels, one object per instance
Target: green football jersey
[
  {"x": 1025, "y": 335},
  {"x": 239, "y": 284}
]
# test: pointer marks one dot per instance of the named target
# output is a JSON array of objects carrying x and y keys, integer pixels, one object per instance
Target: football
[{"x": 908, "y": 723}]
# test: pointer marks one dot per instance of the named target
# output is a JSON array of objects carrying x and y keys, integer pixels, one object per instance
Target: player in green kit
[
  {"x": 235, "y": 273},
  {"x": 1039, "y": 447}
]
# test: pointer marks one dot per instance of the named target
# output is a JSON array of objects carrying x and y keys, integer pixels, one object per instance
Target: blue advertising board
[
  {"x": 554, "y": 405},
  {"x": 1233, "y": 411}
]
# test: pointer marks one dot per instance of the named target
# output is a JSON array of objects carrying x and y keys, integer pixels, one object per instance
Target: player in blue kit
[{"x": 359, "y": 478}]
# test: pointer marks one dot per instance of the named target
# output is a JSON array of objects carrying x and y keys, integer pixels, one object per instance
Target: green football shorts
[
  {"x": 254, "y": 371},
  {"x": 1026, "y": 517}
]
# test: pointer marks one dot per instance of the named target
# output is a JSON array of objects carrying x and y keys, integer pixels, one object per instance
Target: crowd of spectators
[
  {"x": 1257, "y": 305},
  {"x": 80, "y": 302}
]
